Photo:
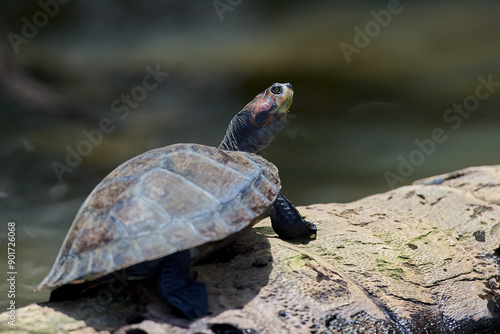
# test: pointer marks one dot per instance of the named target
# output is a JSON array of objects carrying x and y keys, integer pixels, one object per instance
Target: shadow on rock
[{"x": 234, "y": 275}]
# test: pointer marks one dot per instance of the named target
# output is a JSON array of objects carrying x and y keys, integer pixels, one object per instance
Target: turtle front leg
[
  {"x": 183, "y": 293},
  {"x": 287, "y": 221}
]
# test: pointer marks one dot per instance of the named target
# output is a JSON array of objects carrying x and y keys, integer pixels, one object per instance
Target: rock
[{"x": 417, "y": 259}]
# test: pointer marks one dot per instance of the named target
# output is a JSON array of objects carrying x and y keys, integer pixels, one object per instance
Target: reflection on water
[{"x": 351, "y": 125}]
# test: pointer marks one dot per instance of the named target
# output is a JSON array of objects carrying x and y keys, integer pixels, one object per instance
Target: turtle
[{"x": 164, "y": 209}]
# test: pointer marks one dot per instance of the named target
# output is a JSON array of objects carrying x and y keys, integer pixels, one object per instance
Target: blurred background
[{"x": 370, "y": 79}]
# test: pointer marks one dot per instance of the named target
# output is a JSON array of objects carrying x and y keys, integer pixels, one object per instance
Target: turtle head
[{"x": 260, "y": 121}]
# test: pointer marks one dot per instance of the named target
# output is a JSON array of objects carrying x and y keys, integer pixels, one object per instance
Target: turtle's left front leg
[{"x": 287, "y": 221}]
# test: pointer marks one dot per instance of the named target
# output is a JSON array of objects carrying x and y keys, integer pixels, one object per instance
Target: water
[{"x": 353, "y": 123}]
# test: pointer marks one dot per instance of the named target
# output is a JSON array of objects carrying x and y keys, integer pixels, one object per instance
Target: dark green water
[{"x": 352, "y": 123}]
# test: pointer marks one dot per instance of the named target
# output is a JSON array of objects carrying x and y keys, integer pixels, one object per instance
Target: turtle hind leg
[
  {"x": 184, "y": 294},
  {"x": 191, "y": 300}
]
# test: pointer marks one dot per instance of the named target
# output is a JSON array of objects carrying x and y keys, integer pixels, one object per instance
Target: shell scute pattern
[
  {"x": 82, "y": 217},
  {"x": 164, "y": 187},
  {"x": 124, "y": 250},
  {"x": 93, "y": 236},
  {"x": 140, "y": 217},
  {"x": 236, "y": 214},
  {"x": 163, "y": 201},
  {"x": 108, "y": 194},
  {"x": 270, "y": 175},
  {"x": 212, "y": 231},
  {"x": 264, "y": 187},
  {"x": 214, "y": 178}
]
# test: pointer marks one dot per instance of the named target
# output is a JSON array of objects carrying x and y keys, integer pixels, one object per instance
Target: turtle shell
[{"x": 163, "y": 201}]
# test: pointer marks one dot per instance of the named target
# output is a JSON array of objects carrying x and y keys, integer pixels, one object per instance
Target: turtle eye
[{"x": 276, "y": 90}]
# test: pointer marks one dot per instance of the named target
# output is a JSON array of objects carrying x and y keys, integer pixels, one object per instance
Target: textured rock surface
[{"x": 417, "y": 259}]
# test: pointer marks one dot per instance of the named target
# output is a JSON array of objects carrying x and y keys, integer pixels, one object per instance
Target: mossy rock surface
[{"x": 417, "y": 259}]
